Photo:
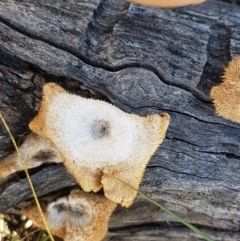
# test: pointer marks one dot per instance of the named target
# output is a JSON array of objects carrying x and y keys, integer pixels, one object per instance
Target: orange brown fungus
[
  {"x": 80, "y": 216},
  {"x": 167, "y": 3},
  {"x": 35, "y": 151},
  {"x": 99, "y": 141},
  {"x": 226, "y": 96}
]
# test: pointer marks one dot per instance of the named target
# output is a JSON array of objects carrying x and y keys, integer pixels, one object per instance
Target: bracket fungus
[
  {"x": 80, "y": 216},
  {"x": 35, "y": 150},
  {"x": 167, "y": 4},
  {"x": 226, "y": 96},
  {"x": 99, "y": 141}
]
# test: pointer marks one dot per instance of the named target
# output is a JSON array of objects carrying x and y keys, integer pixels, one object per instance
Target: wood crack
[
  {"x": 219, "y": 41},
  {"x": 183, "y": 173}
]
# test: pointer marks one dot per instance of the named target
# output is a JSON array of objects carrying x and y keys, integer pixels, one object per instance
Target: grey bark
[{"x": 145, "y": 61}]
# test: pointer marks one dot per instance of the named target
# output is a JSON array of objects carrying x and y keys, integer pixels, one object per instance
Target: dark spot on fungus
[
  {"x": 100, "y": 128},
  {"x": 44, "y": 154},
  {"x": 76, "y": 213},
  {"x": 71, "y": 209}
]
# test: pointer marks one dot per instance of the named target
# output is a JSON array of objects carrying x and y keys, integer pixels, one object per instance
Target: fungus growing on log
[
  {"x": 167, "y": 4},
  {"x": 99, "y": 141},
  {"x": 80, "y": 216},
  {"x": 35, "y": 151},
  {"x": 226, "y": 96}
]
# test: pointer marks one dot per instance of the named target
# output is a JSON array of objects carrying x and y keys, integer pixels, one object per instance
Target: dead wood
[{"x": 145, "y": 61}]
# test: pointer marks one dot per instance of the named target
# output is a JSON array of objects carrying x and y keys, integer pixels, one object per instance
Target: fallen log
[{"x": 143, "y": 60}]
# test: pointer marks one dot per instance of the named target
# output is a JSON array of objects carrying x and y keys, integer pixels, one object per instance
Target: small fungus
[
  {"x": 167, "y": 4},
  {"x": 35, "y": 151},
  {"x": 226, "y": 96},
  {"x": 80, "y": 216},
  {"x": 99, "y": 141}
]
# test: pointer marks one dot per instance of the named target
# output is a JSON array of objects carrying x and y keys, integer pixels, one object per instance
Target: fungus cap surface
[
  {"x": 226, "y": 96},
  {"x": 90, "y": 134}
]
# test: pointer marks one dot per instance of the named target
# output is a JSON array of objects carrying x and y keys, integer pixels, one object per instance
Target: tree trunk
[{"x": 144, "y": 61}]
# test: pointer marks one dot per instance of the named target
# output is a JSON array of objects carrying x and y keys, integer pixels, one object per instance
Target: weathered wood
[
  {"x": 144, "y": 60},
  {"x": 17, "y": 191},
  {"x": 156, "y": 233}
]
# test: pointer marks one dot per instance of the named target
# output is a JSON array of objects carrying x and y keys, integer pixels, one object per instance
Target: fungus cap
[
  {"x": 80, "y": 216},
  {"x": 226, "y": 96},
  {"x": 99, "y": 140},
  {"x": 35, "y": 150}
]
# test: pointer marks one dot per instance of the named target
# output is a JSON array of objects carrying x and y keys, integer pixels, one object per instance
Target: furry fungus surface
[
  {"x": 226, "y": 96},
  {"x": 80, "y": 216},
  {"x": 99, "y": 141},
  {"x": 35, "y": 151},
  {"x": 167, "y": 4}
]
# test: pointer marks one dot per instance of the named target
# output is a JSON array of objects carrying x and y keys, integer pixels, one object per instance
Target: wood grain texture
[{"x": 145, "y": 61}]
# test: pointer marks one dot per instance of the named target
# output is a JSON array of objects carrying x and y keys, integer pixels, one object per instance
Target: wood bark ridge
[{"x": 144, "y": 60}]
